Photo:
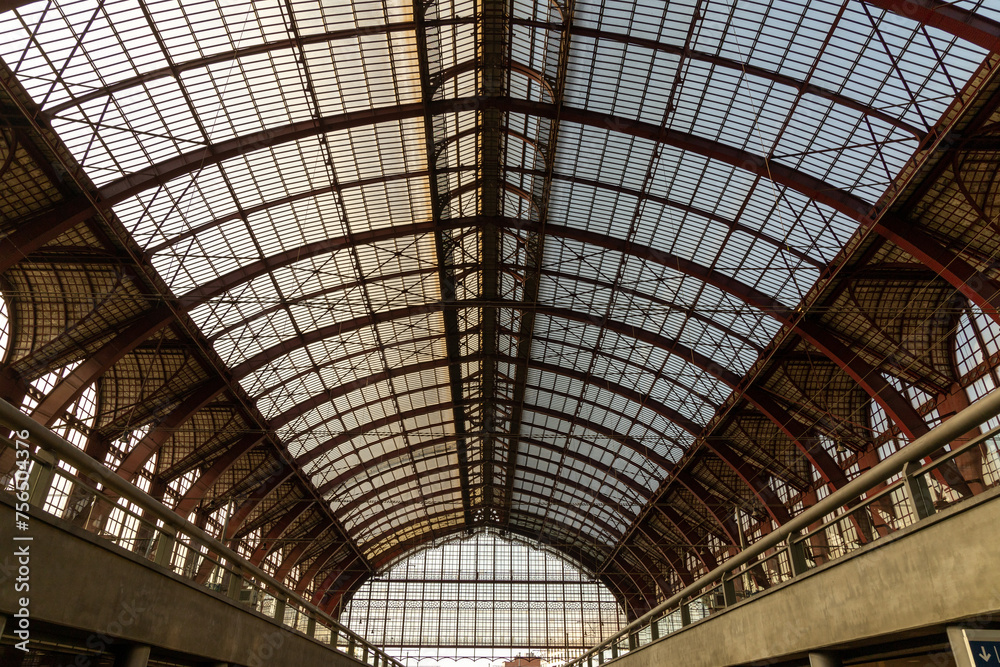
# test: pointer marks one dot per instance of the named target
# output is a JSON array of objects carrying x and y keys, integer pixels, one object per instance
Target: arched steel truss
[{"x": 518, "y": 415}]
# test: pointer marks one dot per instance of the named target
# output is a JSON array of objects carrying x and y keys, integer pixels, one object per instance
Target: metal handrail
[
  {"x": 41, "y": 436},
  {"x": 971, "y": 417}
]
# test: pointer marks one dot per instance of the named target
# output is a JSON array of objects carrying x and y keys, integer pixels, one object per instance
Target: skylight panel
[
  {"x": 387, "y": 204},
  {"x": 160, "y": 215},
  {"x": 249, "y": 94},
  {"x": 82, "y": 45}
]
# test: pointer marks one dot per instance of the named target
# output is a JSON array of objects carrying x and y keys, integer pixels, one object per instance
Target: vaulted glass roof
[{"x": 488, "y": 261}]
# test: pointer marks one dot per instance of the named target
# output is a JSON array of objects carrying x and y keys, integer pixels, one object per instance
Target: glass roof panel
[{"x": 840, "y": 91}]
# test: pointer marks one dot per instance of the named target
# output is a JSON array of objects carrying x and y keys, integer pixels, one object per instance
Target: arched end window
[{"x": 484, "y": 597}]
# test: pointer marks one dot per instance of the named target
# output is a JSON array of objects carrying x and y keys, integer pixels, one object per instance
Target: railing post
[
  {"x": 654, "y": 630},
  {"x": 40, "y": 478},
  {"x": 917, "y": 491},
  {"x": 165, "y": 547},
  {"x": 633, "y": 641},
  {"x": 279, "y": 609},
  {"x": 350, "y": 646},
  {"x": 235, "y": 583},
  {"x": 728, "y": 590},
  {"x": 614, "y": 649},
  {"x": 311, "y": 627},
  {"x": 796, "y": 554},
  {"x": 685, "y": 614}
]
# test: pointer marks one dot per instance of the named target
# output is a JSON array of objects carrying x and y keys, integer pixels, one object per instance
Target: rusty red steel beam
[
  {"x": 342, "y": 575},
  {"x": 626, "y": 363},
  {"x": 807, "y": 185},
  {"x": 670, "y": 559},
  {"x": 868, "y": 376},
  {"x": 141, "y": 452},
  {"x": 699, "y": 490},
  {"x": 303, "y": 545},
  {"x": 256, "y": 497},
  {"x": 37, "y": 230},
  {"x": 608, "y": 471},
  {"x": 689, "y": 533},
  {"x": 317, "y": 565},
  {"x": 373, "y": 522},
  {"x": 666, "y": 344},
  {"x": 979, "y": 34},
  {"x": 375, "y": 519},
  {"x": 426, "y": 409},
  {"x": 233, "y": 452},
  {"x": 201, "y": 395},
  {"x": 747, "y": 471},
  {"x": 273, "y": 537},
  {"x": 945, "y": 16},
  {"x": 331, "y": 395},
  {"x": 753, "y": 477},
  {"x": 175, "y": 69},
  {"x": 897, "y": 406}
]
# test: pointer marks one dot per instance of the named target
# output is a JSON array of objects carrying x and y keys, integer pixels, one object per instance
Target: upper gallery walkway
[{"x": 886, "y": 560}]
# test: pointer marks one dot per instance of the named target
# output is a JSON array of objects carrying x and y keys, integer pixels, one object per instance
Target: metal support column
[
  {"x": 824, "y": 660},
  {"x": 135, "y": 655}
]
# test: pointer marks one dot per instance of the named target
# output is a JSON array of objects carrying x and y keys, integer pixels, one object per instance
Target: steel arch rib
[
  {"x": 979, "y": 288},
  {"x": 308, "y": 540},
  {"x": 233, "y": 452},
  {"x": 986, "y": 293},
  {"x": 640, "y": 491},
  {"x": 318, "y": 563},
  {"x": 575, "y": 30},
  {"x": 945, "y": 16},
  {"x": 868, "y": 377},
  {"x": 745, "y": 470},
  {"x": 372, "y": 522},
  {"x": 277, "y": 531}
]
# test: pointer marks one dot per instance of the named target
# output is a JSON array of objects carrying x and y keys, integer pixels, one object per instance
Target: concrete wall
[
  {"x": 940, "y": 571},
  {"x": 82, "y": 582}
]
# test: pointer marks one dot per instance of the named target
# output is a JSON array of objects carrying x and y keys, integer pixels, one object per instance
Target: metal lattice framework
[{"x": 633, "y": 279}]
